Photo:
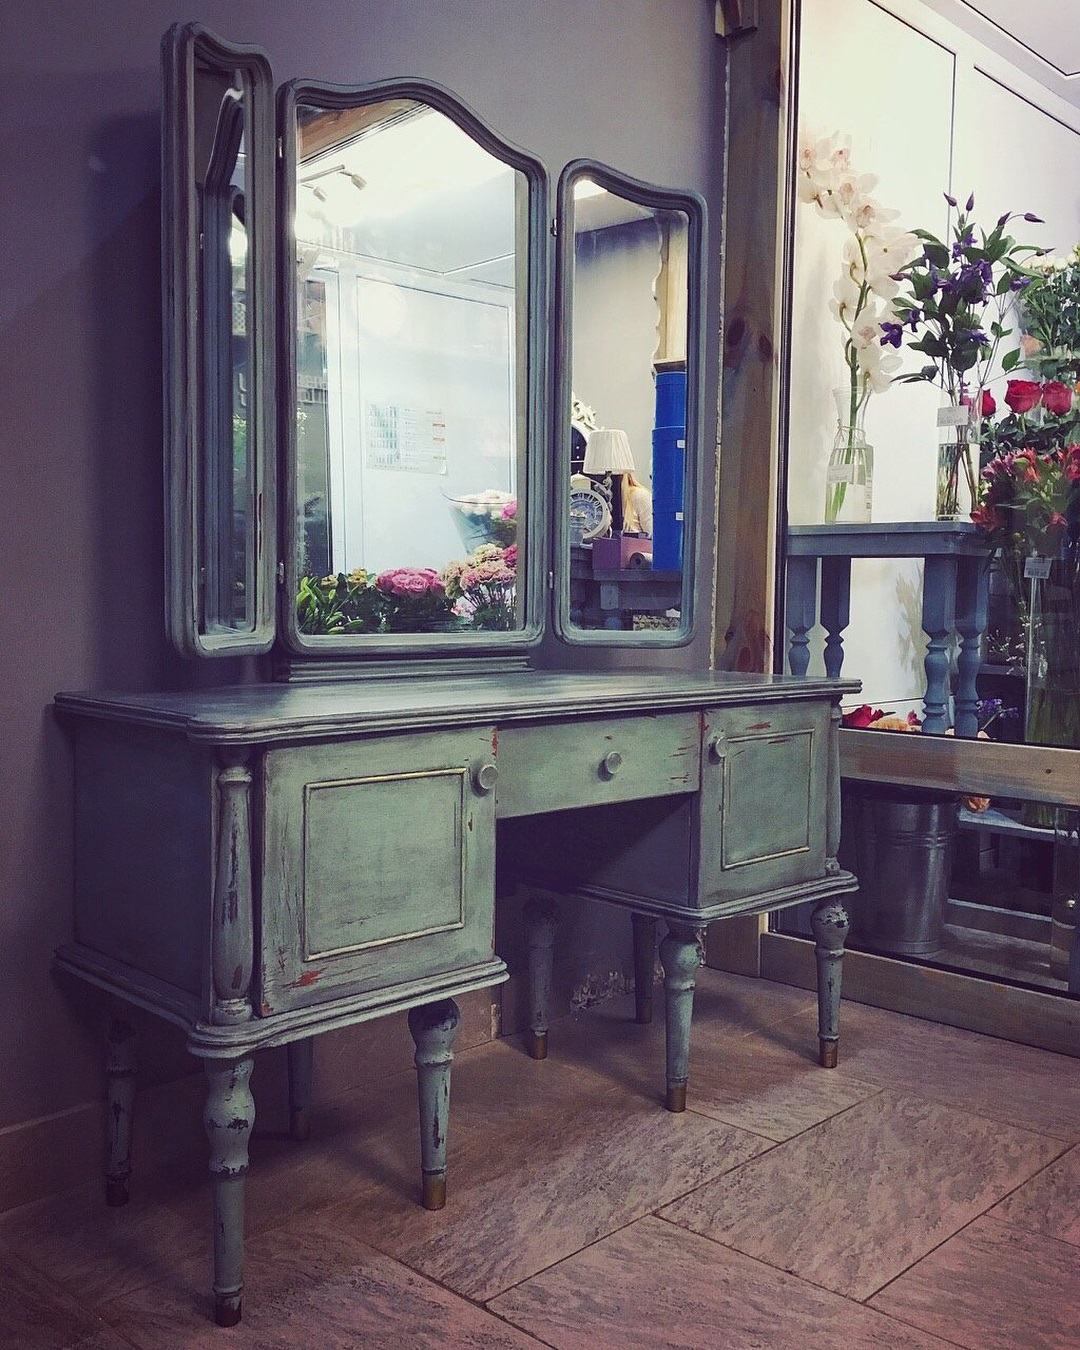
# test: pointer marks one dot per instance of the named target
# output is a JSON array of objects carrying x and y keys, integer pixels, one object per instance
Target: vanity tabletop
[{"x": 258, "y": 712}]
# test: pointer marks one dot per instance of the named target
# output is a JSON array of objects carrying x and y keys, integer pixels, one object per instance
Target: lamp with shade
[{"x": 607, "y": 457}]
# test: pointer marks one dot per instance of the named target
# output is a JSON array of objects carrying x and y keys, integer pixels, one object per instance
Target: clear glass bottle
[{"x": 849, "y": 478}]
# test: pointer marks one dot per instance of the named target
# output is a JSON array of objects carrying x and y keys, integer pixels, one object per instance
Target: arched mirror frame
[
  {"x": 662, "y": 199},
  {"x": 534, "y": 457},
  {"x": 194, "y": 348}
]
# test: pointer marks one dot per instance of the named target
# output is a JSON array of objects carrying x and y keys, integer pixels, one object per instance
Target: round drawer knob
[
  {"x": 485, "y": 776},
  {"x": 610, "y": 764},
  {"x": 716, "y": 749}
]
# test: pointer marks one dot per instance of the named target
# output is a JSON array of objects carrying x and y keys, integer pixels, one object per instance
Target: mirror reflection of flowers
[
  {"x": 340, "y": 604},
  {"x": 416, "y": 598},
  {"x": 483, "y": 586},
  {"x": 1049, "y": 313}
]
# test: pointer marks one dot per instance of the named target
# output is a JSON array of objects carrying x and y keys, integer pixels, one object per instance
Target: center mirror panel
[
  {"x": 413, "y": 370},
  {"x": 629, "y": 287}
]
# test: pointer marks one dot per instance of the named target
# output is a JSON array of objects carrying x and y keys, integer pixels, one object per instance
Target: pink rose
[
  {"x": 1022, "y": 395},
  {"x": 1056, "y": 397},
  {"x": 510, "y": 556}
]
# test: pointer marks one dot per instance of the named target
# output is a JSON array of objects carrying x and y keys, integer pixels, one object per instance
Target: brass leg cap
[
  {"x": 434, "y": 1192},
  {"x": 538, "y": 1044},
  {"x": 227, "y": 1312},
  {"x": 299, "y": 1126},
  {"x": 116, "y": 1193},
  {"x": 828, "y": 1054},
  {"x": 644, "y": 1012},
  {"x": 676, "y": 1097}
]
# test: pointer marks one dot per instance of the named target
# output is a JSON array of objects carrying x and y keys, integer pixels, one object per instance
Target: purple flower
[
  {"x": 893, "y": 332},
  {"x": 961, "y": 244},
  {"x": 914, "y": 315},
  {"x": 970, "y": 203},
  {"x": 950, "y": 200},
  {"x": 1033, "y": 220},
  {"x": 1019, "y": 283}
]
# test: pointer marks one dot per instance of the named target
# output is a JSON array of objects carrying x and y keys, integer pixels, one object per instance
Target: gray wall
[{"x": 635, "y": 83}]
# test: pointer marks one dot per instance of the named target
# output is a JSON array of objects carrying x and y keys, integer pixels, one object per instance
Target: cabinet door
[
  {"x": 378, "y": 866},
  {"x": 764, "y": 797}
]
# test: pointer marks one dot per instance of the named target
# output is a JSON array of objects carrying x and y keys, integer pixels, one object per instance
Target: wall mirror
[
  {"x": 629, "y": 287},
  {"x": 412, "y": 294},
  {"x": 217, "y": 251}
]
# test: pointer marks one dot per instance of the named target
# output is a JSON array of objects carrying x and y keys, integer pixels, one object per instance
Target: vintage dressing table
[{"x": 262, "y": 862}]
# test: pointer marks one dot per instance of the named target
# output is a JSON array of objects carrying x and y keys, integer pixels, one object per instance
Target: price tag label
[
  {"x": 840, "y": 473},
  {"x": 1037, "y": 567},
  {"x": 950, "y": 416}
]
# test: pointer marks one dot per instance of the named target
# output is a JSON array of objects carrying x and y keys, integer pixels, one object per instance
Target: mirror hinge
[
  {"x": 551, "y": 581},
  {"x": 554, "y": 226},
  {"x": 281, "y": 574},
  {"x": 280, "y": 148}
]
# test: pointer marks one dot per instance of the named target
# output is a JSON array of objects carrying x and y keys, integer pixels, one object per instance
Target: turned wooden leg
[
  {"x": 120, "y": 1068},
  {"x": 300, "y": 1054},
  {"x": 541, "y": 920},
  {"x": 433, "y": 1029},
  {"x": 228, "y": 1117},
  {"x": 644, "y": 957},
  {"x": 830, "y": 924},
  {"x": 680, "y": 954}
]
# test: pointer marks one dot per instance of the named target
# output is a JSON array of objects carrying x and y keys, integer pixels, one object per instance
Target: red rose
[
  {"x": 861, "y": 716},
  {"x": 987, "y": 406},
  {"x": 1022, "y": 395},
  {"x": 1056, "y": 397}
]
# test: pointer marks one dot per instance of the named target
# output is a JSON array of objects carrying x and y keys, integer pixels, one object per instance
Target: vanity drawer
[{"x": 566, "y": 764}]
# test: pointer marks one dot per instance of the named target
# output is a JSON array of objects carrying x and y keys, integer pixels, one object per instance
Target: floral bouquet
[
  {"x": 416, "y": 599},
  {"x": 483, "y": 587},
  {"x": 488, "y": 517},
  {"x": 955, "y": 308},
  {"x": 340, "y": 604},
  {"x": 864, "y": 292},
  {"x": 1029, "y": 515},
  {"x": 1050, "y": 317}
]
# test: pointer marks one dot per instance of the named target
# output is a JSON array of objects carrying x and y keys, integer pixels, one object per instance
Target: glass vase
[
  {"x": 957, "y": 460},
  {"x": 849, "y": 478}
]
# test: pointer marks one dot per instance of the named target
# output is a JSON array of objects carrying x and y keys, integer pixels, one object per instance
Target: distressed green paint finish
[
  {"x": 378, "y": 863},
  {"x": 829, "y": 924},
  {"x": 433, "y": 1029},
  {"x": 614, "y": 759},
  {"x": 233, "y": 920},
  {"x": 228, "y": 1118},
  {"x": 681, "y": 953}
]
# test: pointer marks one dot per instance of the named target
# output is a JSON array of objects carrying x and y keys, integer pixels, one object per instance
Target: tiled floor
[{"x": 924, "y": 1194}]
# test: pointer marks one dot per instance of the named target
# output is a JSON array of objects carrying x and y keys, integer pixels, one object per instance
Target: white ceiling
[{"x": 1041, "y": 37}]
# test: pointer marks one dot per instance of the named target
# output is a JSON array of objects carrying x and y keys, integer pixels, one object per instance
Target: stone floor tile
[
  {"x": 308, "y": 1284},
  {"x": 1031, "y": 1088},
  {"x": 853, "y": 1202},
  {"x": 35, "y": 1315},
  {"x": 573, "y": 1177},
  {"x": 1049, "y": 1203},
  {"x": 653, "y": 1286},
  {"x": 993, "y": 1287}
]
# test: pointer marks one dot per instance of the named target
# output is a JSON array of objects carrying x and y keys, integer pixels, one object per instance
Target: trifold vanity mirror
[{"x": 358, "y": 388}]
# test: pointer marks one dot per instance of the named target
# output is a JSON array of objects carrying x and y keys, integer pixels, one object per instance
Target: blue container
[{"x": 668, "y": 469}]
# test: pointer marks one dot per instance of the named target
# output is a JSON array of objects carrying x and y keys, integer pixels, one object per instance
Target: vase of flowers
[
  {"x": 957, "y": 295},
  {"x": 1030, "y": 517},
  {"x": 862, "y": 300},
  {"x": 483, "y": 587},
  {"x": 849, "y": 477}
]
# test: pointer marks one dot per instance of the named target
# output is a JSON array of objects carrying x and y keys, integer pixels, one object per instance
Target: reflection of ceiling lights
[
  {"x": 330, "y": 195},
  {"x": 418, "y": 155},
  {"x": 585, "y": 188}
]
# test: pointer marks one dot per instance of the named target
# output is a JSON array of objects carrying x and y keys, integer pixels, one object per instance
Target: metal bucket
[{"x": 898, "y": 841}]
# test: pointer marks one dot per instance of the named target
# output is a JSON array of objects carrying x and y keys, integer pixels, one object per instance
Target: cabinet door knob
[
  {"x": 610, "y": 764},
  {"x": 716, "y": 749},
  {"x": 485, "y": 776}
]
